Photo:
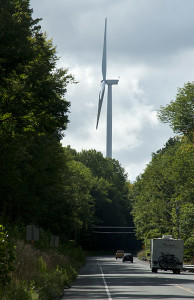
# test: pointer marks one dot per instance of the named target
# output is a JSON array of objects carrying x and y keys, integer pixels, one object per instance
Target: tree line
[{"x": 163, "y": 196}]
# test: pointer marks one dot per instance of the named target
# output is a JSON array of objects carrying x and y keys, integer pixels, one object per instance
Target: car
[
  {"x": 119, "y": 254},
  {"x": 127, "y": 257}
]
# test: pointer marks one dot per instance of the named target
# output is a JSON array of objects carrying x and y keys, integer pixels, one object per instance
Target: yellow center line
[{"x": 188, "y": 290}]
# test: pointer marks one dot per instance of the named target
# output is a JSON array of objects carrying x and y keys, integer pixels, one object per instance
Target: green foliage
[
  {"x": 180, "y": 113},
  {"x": 32, "y": 89},
  {"x": 33, "y": 117},
  {"x": 111, "y": 194},
  {"x": 41, "y": 265},
  {"x": 42, "y": 274},
  {"x": 7, "y": 256},
  {"x": 110, "y": 190},
  {"x": 54, "y": 272},
  {"x": 32, "y": 183},
  {"x": 189, "y": 247},
  {"x": 39, "y": 180},
  {"x": 51, "y": 284},
  {"x": 78, "y": 187},
  {"x": 74, "y": 252},
  {"x": 142, "y": 254},
  {"x": 18, "y": 291},
  {"x": 166, "y": 183}
]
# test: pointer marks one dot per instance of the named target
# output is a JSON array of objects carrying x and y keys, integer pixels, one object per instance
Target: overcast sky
[{"x": 150, "y": 49}]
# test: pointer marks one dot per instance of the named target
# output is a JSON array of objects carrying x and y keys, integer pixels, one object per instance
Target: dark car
[{"x": 128, "y": 257}]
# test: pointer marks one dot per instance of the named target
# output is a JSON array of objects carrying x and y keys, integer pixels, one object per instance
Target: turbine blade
[
  {"x": 101, "y": 96},
  {"x": 104, "y": 54},
  {"x": 99, "y": 110}
]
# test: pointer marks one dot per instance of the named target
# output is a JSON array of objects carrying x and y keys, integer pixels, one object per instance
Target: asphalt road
[{"x": 108, "y": 278}]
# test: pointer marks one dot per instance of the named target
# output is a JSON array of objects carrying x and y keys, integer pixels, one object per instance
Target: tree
[
  {"x": 33, "y": 117},
  {"x": 16, "y": 28},
  {"x": 166, "y": 184},
  {"x": 78, "y": 194},
  {"x": 180, "y": 113},
  {"x": 111, "y": 189},
  {"x": 111, "y": 193},
  {"x": 32, "y": 88}
]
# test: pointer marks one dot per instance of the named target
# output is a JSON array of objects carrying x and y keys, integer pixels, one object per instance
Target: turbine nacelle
[{"x": 112, "y": 81}]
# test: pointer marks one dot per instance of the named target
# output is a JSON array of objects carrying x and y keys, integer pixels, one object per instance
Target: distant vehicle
[
  {"x": 128, "y": 257},
  {"x": 119, "y": 254},
  {"x": 166, "y": 254}
]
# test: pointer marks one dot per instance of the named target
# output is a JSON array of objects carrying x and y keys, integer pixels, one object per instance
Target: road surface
[{"x": 108, "y": 278}]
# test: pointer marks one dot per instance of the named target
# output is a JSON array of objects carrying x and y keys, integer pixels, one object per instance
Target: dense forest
[{"x": 68, "y": 193}]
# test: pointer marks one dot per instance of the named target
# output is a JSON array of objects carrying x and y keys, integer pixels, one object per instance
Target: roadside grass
[
  {"x": 142, "y": 255},
  {"x": 41, "y": 275},
  {"x": 192, "y": 261}
]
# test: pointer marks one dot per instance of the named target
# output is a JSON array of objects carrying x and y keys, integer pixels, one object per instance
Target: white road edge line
[{"x": 106, "y": 286}]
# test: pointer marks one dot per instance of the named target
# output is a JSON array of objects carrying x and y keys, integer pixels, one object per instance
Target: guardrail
[{"x": 189, "y": 268}]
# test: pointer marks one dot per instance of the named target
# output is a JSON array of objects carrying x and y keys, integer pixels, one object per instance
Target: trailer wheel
[
  {"x": 162, "y": 262},
  {"x": 174, "y": 262}
]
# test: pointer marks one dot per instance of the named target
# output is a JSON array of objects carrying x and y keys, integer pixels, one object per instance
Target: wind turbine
[{"x": 110, "y": 83}]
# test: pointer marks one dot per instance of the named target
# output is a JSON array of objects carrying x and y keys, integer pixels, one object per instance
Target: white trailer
[{"x": 166, "y": 254}]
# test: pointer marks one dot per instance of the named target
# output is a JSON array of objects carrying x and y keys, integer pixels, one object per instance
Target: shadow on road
[{"x": 127, "y": 281}]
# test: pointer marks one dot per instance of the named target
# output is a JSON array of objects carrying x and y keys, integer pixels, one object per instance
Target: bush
[
  {"x": 51, "y": 284},
  {"x": 45, "y": 273},
  {"x": 7, "y": 256},
  {"x": 142, "y": 254},
  {"x": 34, "y": 274},
  {"x": 18, "y": 291}
]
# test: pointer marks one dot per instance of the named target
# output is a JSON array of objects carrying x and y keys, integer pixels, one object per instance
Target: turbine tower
[{"x": 110, "y": 83}]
